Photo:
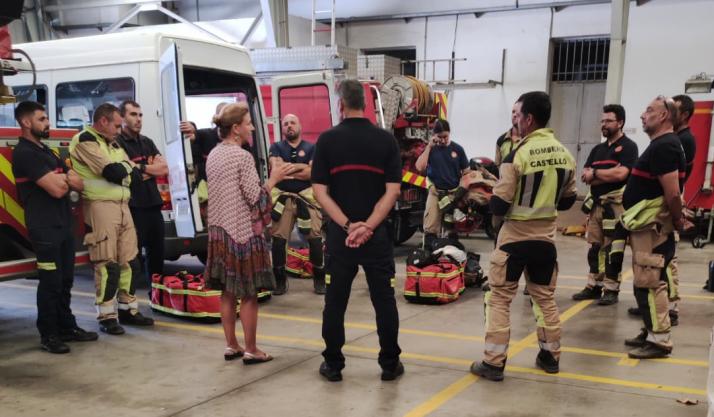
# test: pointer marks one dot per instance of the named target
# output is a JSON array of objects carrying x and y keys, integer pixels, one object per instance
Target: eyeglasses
[{"x": 603, "y": 121}]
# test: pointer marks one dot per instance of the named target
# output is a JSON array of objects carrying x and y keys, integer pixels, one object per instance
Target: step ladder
[{"x": 314, "y": 22}]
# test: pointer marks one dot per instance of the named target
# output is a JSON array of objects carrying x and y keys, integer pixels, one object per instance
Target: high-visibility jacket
[
  {"x": 97, "y": 187},
  {"x": 302, "y": 200},
  {"x": 646, "y": 213},
  {"x": 544, "y": 167}
]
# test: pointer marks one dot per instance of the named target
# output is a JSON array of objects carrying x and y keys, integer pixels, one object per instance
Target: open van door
[
  {"x": 311, "y": 97},
  {"x": 186, "y": 211}
]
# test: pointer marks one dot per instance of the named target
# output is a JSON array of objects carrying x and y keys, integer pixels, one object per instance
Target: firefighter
[
  {"x": 111, "y": 239},
  {"x": 653, "y": 212},
  {"x": 145, "y": 203},
  {"x": 606, "y": 171},
  {"x": 356, "y": 176},
  {"x": 536, "y": 181},
  {"x": 508, "y": 141},
  {"x": 43, "y": 185},
  {"x": 444, "y": 162},
  {"x": 293, "y": 200}
]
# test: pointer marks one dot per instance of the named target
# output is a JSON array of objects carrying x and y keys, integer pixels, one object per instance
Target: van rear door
[
  {"x": 311, "y": 97},
  {"x": 184, "y": 201}
]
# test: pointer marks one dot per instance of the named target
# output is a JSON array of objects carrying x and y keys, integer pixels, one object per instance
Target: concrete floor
[{"x": 177, "y": 369}]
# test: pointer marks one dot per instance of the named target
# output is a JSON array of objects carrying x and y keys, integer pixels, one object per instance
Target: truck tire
[{"x": 402, "y": 229}]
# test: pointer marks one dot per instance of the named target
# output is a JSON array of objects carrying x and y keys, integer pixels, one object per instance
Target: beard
[
  {"x": 42, "y": 134},
  {"x": 292, "y": 136}
]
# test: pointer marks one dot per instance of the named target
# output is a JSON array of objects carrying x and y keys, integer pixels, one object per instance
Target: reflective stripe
[
  {"x": 183, "y": 313},
  {"x": 672, "y": 288},
  {"x": 452, "y": 274},
  {"x": 609, "y": 224},
  {"x": 47, "y": 266},
  {"x": 601, "y": 258},
  {"x": 107, "y": 308},
  {"x": 434, "y": 294},
  {"x": 617, "y": 246},
  {"x": 279, "y": 207},
  {"x": 658, "y": 338},
  {"x": 549, "y": 346},
  {"x": 531, "y": 213},
  {"x": 527, "y": 191},
  {"x": 134, "y": 305},
  {"x": 304, "y": 223},
  {"x": 445, "y": 201},
  {"x": 392, "y": 282},
  {"x": 653, "y": 309},
  {"x": 538, "y": 313},
  {"x": 496, "y": 348},
  {"x": 181, "y": 291},
  {"x": 328, "y": 278}
]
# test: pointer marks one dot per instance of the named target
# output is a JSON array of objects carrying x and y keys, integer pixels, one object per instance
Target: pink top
[{"x": 234, "y": 191}]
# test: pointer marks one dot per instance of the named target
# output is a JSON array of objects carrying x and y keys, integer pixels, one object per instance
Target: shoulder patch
[{"x": 87, "y": 137}]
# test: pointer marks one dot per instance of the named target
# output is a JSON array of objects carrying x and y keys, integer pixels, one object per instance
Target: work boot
[
  {"x": 54, "y": 344},
  {"x": 639, "y": 340},
  {"x": 331, "y": 374},
  {"x": 125, "y": 317},
  {"x": 673, "y": 318},
  {"x": 318, "y": 281},
  {"x": 608, "y": 298},
  {"x": 391, "y": 375},
  {"x": 649, "y": 351},
  {"x": 111, "y": 326},
  {"x": 77, "y": 334},
  {"x": 588, "y": 294},
  {"x": 547, "y": 362},
  {"x": 490, "y": 372},
  {"x": 634, "y": 311},
  {"x": 281, "y": 281}
]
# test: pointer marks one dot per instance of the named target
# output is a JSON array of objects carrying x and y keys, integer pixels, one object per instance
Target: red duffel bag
[
  {"x": 439, "y": 283},
  {"x": 185, "y": 295},
  {"x": 298, "y": 263}
]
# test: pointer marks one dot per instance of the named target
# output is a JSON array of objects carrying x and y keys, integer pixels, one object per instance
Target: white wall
[{"x": 668, "y": 41}]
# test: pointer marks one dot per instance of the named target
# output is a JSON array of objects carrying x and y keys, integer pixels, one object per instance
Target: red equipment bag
[
  {"x": 298, "y": 263},
  {"x": 440, "y": 283},
  {"x": 186, "y": 296}
]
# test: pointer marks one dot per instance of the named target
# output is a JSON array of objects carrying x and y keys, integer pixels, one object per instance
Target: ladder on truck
[{"x": 314, "y": 22}]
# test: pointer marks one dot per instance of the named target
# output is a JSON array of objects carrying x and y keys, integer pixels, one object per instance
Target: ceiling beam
[
  {"x": 476, "y": 12},
  {"x": 95, "y": 4}
]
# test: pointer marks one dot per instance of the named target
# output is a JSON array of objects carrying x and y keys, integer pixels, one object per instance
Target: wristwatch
[{"x": 346, "y": 227}]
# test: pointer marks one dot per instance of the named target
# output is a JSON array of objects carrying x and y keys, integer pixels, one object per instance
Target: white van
[{"x": 173, "y": 78}]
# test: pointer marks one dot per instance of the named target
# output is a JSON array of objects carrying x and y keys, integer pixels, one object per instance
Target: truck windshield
[{"x": 22, "y": 93}]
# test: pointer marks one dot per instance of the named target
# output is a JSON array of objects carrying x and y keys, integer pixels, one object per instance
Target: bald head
[{"x": 291, "y": 128}]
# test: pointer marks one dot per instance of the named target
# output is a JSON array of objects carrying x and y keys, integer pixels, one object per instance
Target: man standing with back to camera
[{"x": 356, "y": 176}]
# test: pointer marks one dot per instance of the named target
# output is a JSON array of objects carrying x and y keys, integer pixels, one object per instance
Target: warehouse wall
[{"x": 479, "y": 116}]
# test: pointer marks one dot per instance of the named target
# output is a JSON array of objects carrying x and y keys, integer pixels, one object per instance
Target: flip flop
[
  {"x": 229, "y": 353},
  {"x": 251, "y": 359}
]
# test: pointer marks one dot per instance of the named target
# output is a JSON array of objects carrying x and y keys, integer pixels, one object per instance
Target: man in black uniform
[
  {"x": 293, "y": 200},
  {"x": 356, "y": 175},
  {"x": 653, "y": 212},
  {"x": 145, "y": 203},
  {"x": 606, "y": 171},
  {"x": 685, "y": 111},
  {"x": 43, "y": 185},
  {"x": 202, "y": 143}
]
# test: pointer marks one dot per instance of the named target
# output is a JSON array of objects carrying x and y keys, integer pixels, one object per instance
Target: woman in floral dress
[{"x": 238, "y": 211}]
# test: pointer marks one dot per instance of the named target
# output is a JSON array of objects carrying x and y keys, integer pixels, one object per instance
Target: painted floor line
[{"x": 461, "y": 384}]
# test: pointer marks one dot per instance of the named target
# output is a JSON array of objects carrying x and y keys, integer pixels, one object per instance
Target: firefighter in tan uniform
[
  {"x": 536, "y": 181},
  {"x": 445, "y": 163},
  {"x": 508, "y": 141},
  {"x": 653, "y": 213},
  {"x": 293, "y": 201},
  {"x": 111, "y": 239},
  {"x": 606, "y": 171}
]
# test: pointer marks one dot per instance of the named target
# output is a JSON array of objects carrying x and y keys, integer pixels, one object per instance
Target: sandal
[
  {"x": 229, "y": 353},
  {"x": 252, "y": 359}
]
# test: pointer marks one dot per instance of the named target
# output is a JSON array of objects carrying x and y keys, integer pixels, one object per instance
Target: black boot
[
  {"x": 588, "y": 294},
  {"x": 608, "y": 298},
  {"x": 638, "y": 341},
  {"x": 137, "y": 319},
  {"x": 318, "y": 281},
  {"x": 281, "y": 281},
  {"x": 429, "y": 239},
  {"x": 547, "y": 362}
]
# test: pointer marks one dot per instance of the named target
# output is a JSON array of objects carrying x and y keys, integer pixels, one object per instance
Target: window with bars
[{"x": 579, "y": 60}]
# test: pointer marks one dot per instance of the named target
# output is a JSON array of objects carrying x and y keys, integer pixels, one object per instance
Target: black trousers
[
  {"x": 377, "y": 260},
  {"x": 149, "y": 225},
  {"x": 54, "y": 248}
]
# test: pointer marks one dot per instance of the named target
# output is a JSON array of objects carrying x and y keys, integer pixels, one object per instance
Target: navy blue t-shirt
[
  {"x": 301, "y": 154},
  {"x": 445, "y": 165}
]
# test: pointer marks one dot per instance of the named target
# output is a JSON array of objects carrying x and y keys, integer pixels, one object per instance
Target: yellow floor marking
[
  {"x": 628, "y": 362},
  {"x": 611, "y": 381},
  {"x": 689, "y": 296},
  {"x": 448, "y": 392},
  {"x": 454, "y": 389},
  {"x": 626, "y": 276}
]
